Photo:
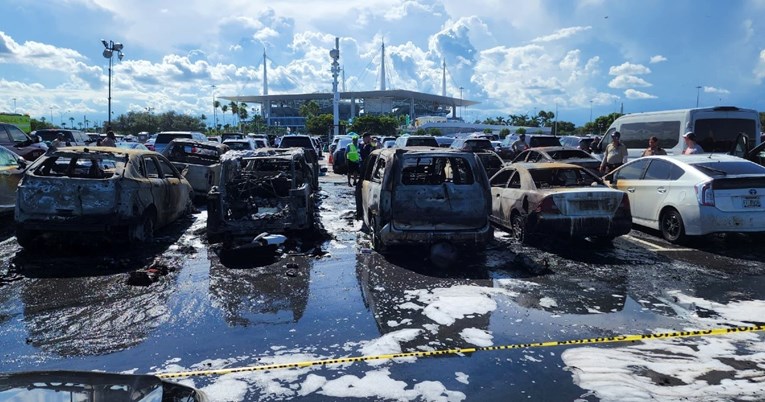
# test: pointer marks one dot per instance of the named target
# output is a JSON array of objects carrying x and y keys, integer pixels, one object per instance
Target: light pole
[
  {"x": 215, "y": 110},
  {"x": 590, "y": 112},
  {"x": 698, "y": 89},
  {"x": 334, "y": 54},
  {"x": 109, "y": 49},
  {"x": 14, "y": 105}
]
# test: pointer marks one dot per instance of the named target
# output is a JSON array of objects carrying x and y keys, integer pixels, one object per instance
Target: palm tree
[
  {"x": 71, "y": 121},
  {"x": 224, "y": 109},
  {"x": 234, "y": 107}
]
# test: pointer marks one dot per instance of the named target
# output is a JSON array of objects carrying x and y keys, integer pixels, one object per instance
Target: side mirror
[
  {"x": 185, "y": 171},
  {"x": 22, "y": 164}
]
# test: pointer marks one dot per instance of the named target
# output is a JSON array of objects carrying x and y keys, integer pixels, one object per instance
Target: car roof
[
  {"x": 422, "y": 150},
  {"x": 113, "y": 150},
  {"x": 541, "y": 166},
  {"x": 213, "y": 144},
  {"x": 554, "y": 148}
]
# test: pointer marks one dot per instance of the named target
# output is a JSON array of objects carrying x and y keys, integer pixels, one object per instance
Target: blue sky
[{"x": 512, "y": 56}]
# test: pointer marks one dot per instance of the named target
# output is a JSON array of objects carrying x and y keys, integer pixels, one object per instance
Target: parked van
[
  {"x": 165, "y": 137},
  {"x": 721, "y": 129},
  {"x": 421, "y": 196},
  {"x": 416, "y": 141}
]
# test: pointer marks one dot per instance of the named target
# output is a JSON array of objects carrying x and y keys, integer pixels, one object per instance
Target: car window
[
  {"x": 521, "y": 157},
  {"x": 7, "y": 159},
  {"x": 377, "y": 175},
  {"x": 422, "y": 142},
  {"x": 426, "y": 170},
  {"x": 515, "y": 181},
  {"x": 569, "y": 154},
  {"x": 544, "y": 142},
  {"x": 166, "y": 138},
  {"x": 658, "y": 170},
  {"x": 676, "y": 172},
  {"x": 500, "y": 179},
  {"x": 718, "y": 169},
  {"x": 17, "y": 135},
  {"x": 562, "y": 177},
  {"x": 167, "y": 170},
  {"x": 151, "y": 169},
  {"x": 535, "y": 157},
  {"x": 632, "y": 171}
]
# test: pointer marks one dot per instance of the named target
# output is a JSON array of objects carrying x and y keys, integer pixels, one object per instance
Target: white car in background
[{"x": 690, "y": 195}]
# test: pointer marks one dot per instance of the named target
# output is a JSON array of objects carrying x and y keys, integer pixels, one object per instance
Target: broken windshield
[{"x": 84, "y": 165}]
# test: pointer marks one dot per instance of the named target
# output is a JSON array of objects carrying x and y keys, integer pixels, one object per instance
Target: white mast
[
  {"x": 265, "y": 74},
  {"x": 382, "y": 69},
  {"x": 443, "y": 80},
  {"x": 334, "y": 54}
]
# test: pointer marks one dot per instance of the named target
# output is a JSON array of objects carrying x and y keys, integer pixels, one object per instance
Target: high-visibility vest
[{"x": 353, "y": 153}]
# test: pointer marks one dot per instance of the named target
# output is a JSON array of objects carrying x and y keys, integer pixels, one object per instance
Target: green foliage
[
  {"x": 383, "y": 126},
  {"x": 436, "y": 132},
  {"x": 504, "y": 132},
  {"x": 520, "y": 130},
  {"x": 319, "y": 124},
  {"x": 564, "y": 127},
  {"x": 40, "y": 124},
  {"x": 487, "y": 131},
  {"x": 420, "y": 131},
  {"x": 135, "y": 122},
  {"x": 309, "y": 108}
]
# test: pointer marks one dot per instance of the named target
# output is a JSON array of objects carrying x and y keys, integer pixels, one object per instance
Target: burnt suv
[{"x": 426, "y": 196}]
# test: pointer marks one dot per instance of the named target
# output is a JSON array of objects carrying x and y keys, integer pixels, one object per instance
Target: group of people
[
  {"x": 616, "y": 154},
  {"x": 356, "y": 156}
]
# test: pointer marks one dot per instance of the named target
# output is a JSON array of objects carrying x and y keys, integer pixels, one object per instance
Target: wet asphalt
[{"x": 72, "y": 306}]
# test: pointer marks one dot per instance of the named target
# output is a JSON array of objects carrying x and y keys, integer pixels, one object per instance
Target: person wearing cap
[
  {"x": 352, "y": 159},
  {"x": 653, "y": 147},
  {"x": 615, "y": 155},
  {"x": 691, "y": 147},
  {"x": 520, "y": 144},
  {"x": 59, "y": 141}
]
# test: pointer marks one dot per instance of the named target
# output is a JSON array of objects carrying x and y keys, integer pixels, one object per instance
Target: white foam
[
  {"x": 388, "y": 344},
  {"x": 462, "y": 377},
  {"x": 446, "y": 305},
  {"x": 547, "y": 302},
  {"x": 477, "y": 337}
]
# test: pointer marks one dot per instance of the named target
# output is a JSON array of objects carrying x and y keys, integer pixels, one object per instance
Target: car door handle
[
  {"x": 661, "y": 190},
  {"x": 497, "y": 195},
  {"x": 631, "y": 189}
]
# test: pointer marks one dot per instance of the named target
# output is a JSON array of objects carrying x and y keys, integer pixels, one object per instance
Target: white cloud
[
  {"x": 634, "y": 94},
  {"x": 713, "y": 90},
  {"x": 561, "y": 34},
  {"x": 759, "y": 70},
  {"x": 628, "y": 81},
  {"x": 629, "y": 69},
  {"x": 657, "y": 59}
]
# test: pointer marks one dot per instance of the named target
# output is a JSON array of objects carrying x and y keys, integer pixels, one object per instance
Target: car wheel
[
  {"x": 377, "y": 243},
  {"x": 672, "y": 227},
  {"x": 518, "y": 228},
  {"x": 143, "y": 232}
]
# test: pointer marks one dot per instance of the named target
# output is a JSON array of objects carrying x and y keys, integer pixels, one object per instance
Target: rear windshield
[
  {"x": 166, "y": 138},
  {"x": 719, "y": 169},
  {"x": 296, "y": 142},
  {"x": 569, "y": 154},
  {"x": 49, "y": 136},
  {"x": 422, "y": 142},
  {"x": 239, "y": 145},
  {"x": 477, "y": 145},
  {"x": 721, "y": 135},
  {"x": 490, "y": 160},
  {"x": 90, "y": 166},
  {"x": 225, "y": 137},
  {"x": 426, "y": 170},
  {"x": 544, "y": 142},
  {"x": 563, "y": 177},
  {"x": 194, "y": 153}
]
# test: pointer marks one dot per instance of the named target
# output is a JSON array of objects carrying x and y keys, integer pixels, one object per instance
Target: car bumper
[
  {"x": 90, "y": 223},
  {"x": 461, "y": 238},
  {"x": 579, "y": 227},
  {"x": 712, "y": 220}
]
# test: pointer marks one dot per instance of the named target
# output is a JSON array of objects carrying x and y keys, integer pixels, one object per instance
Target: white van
[{"x": 721, "y": 129}]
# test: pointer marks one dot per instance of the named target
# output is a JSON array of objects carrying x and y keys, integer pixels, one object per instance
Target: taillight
[
  {"x": 704, "y": 193},
  {"x": 548, "y": 206}
]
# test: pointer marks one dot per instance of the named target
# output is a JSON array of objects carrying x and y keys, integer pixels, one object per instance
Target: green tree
[
  {"x": 223, "y": 109},
  {"x": 487, "y": 131},
  {"x": 309, "y": 108},
  {"x": 420, "y": 131},
  {"x": 40, "y": 124},
  {"x": 436, "y": 132},
  {"x": 504, "y": 132},
  {"x": 319, "y": 124},
  {"x": 564, "y": 127},
  {"x": 384, "y": 126},
  {"x": 520, "y": 130}
]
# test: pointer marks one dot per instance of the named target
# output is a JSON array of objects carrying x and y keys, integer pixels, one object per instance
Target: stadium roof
[{"x": 394, "y": 93}]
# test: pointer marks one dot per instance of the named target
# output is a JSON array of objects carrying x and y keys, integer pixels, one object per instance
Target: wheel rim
[
  {"x": 672, "y": 225},
  {"x": 517, "y": 229}
]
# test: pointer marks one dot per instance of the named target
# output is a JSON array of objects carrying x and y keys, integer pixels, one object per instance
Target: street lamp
[
  {"x": 109, "y": 49},
  {"x": 590, "y": 111},
  {"x": 698, "y": 88},
  {"x": 215, "y": 111},
  {"x": 14, "y": 105}
]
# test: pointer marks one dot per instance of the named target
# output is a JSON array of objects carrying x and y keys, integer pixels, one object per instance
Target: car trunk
[
  {"x": 588, "y": 202},
  {"x": 425, "y": 200},
  {"x": 53, "y": 196},
  {"x": 739, "y": 194}
]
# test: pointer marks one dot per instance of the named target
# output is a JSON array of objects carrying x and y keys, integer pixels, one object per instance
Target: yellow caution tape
[{"x": 460, "y": 351}]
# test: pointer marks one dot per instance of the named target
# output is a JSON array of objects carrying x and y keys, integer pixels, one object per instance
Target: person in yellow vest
[{"x": 352, "y": 159}]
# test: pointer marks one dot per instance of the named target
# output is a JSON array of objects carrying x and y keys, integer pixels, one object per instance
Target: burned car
[
  {"x": 269, "y": 191},
  {"x": 198, "y": 160},
  {"x": 99, "y": 190},
  {"x": 557, "y": 199},
  {"x": 425, "y": 196}
]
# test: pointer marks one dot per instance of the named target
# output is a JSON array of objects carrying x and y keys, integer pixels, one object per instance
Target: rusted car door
[
  {"x": 371, "y": 189},
  {"x": 175, "y": 193},
  {"x": 158, "y": 188}
]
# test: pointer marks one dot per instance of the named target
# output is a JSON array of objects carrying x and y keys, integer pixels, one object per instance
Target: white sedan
[{"x": 699, "y": 194}]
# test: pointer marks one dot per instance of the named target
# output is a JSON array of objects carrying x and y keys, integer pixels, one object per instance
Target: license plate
[
  {"x": 752, "y": 202},
  {"x": 589, "y": 205}
]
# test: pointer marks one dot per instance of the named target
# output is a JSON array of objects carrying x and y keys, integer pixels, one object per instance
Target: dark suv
[
  {"x": 71, "y": 137},
  {"x": 19, "y": 142}
]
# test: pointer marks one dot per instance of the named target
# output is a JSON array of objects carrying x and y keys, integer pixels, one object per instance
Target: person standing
[
  {"x": 519, "y": 145},
  {"x": 691, "y": 147},
  {"x": 616, "y": 154},
  {"x": 352, "y": 159},
  {"x": 109, "y": 141},
  {"x": 654, "y": 148},
  {"x": 58, "y": 142}
]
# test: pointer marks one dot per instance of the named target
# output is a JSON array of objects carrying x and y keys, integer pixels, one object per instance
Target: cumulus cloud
[
  {"x": 634, "y": 94},
  {"x": 657, "y": 59},
  {"x": 628, "y": 81},
  {"x": 629, "y": 69},
  {"x": 713, "y": 90},
  {"x": 406, "y": 8},
  {"x": 759, "y": 70},
  {"x": 561, "y": 34}
]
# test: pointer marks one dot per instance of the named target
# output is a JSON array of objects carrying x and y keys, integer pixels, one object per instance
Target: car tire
[
  {"x": 374, "y": 234},
  {"x": 672, "y": 227},
  {"x": 143, "y": 232},
  {"x": 518, "y": 229}
]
